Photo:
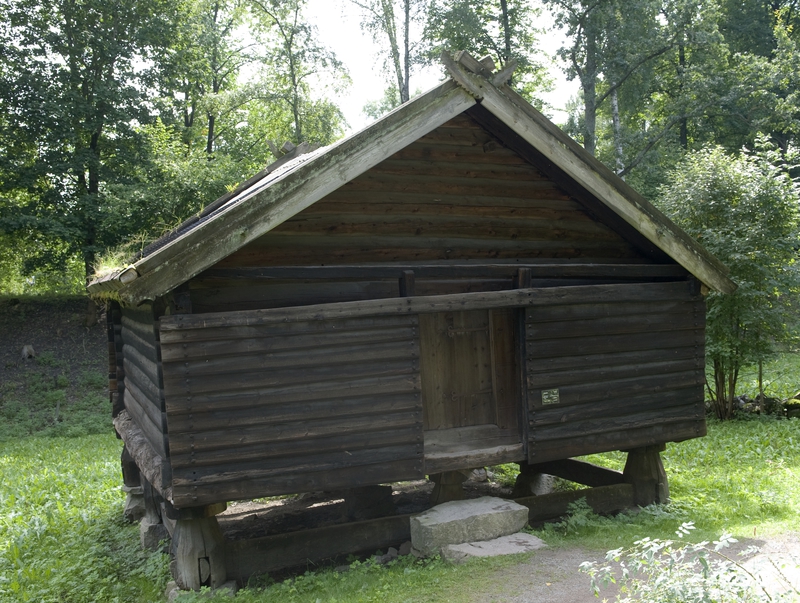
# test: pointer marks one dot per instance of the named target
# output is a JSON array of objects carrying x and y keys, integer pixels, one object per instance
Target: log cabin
[{"x": 457, "y": 285}]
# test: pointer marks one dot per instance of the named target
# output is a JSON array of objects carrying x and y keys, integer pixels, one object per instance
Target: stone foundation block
[
  {"x": 463, "y": 521},
  {"x": 505, "y": 545}
]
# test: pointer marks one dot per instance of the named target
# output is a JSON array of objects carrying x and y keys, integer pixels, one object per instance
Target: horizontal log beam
[
  {"x": 149, "y": 462},
  {"x": 448, "y": 271},
  {"x": 580, "y": 472},
  {"x": 602, "y": 500},
  {"x": 426, "y": 304},
  {"x": 245, "y": 558}
]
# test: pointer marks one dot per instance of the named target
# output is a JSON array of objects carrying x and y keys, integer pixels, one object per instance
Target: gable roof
[{"x": 288, "y": 187}]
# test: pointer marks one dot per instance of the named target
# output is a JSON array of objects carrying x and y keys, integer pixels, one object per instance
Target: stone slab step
[
  {"x": 462, "y": 521},
  {"x": 505, "y": 545}
]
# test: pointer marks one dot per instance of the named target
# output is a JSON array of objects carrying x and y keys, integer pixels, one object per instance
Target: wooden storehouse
[{"x": 457, "y": 285}]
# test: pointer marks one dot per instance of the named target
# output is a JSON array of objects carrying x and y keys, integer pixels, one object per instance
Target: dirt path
[{"x": 552, "y": 576}]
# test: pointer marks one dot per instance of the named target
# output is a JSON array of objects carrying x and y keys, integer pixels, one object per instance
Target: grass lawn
[{"x": 63, "y": 538}]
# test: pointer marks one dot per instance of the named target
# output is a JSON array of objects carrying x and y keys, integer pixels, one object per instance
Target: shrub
[
  {"x": 744, "y": 210},
  {"x": 664, "y": 571}
]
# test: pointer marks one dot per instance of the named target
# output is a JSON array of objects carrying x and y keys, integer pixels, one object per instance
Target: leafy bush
[
  {"x": 663, "y": 571},
  {"x": 744, "y": 210}
]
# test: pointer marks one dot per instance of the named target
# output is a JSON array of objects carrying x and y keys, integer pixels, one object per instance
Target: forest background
[{"x": 121, "y": 118}]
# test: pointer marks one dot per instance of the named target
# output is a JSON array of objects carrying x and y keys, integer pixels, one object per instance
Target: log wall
[
  {"x": 143, "y": 394},
  {"x": 616, "y": 374},
  {"x": 293, "y": 406}
]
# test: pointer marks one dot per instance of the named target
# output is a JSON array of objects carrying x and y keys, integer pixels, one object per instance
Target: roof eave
[
  {"x": 190, "y": 254},
  {"x": 591, "y": 174}
]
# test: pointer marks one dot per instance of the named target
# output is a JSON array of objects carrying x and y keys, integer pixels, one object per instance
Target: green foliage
[
  {"x": 61, "y": 533},
  {"x": 667, "y": 571},
  {"x": 505, "y": 475},
  {"x": 740, "y": 478},
  {"x": 121, "y": 120},
  {"x": 502, "y": 30},
  {"x": 781, "y": 377},
  {"x": 378, "y": 108},
  {"x": 390, "y": 23},
  {"x": 60, "y": 504},
  {"x": 744, "y": 210}
]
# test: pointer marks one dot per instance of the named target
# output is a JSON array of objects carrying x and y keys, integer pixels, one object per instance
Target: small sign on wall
[{"x": 550, "y": 396}]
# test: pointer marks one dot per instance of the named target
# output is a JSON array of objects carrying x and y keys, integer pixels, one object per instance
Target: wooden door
[{"x": 469, "y": 370}]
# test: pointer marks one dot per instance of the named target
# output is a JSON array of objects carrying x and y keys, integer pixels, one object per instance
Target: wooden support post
[
  {"x": 407, "y": 283},
  {"x": 132, "y": 486},
  {"x": 448, "y": 486},
  {"x": 198, "y": 554},
  {"x": 645, "y": 472},
  {"x": 531, "y": 482},
  {"x": 152, "y": 531}
]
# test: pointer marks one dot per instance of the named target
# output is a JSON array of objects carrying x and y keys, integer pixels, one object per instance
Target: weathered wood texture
[
  {"x": 457, "y": 193},
  {"x": 116, "y": 372},
  {"x": 472, "y": 446},
  {"x": 615, "y": 374},
  {"x": 297, "y": 406},
  {"x": 200, "y": 324},
  {"x": 561, "y": 151},
  {"x": 262, "y": 208},
  {"x": 245, "y": 558},
  {"x": 468, "y": 368},
  {"x": 143, "y": 390},
  {"x": 602, "y": 500},
  {"x": 152, "y": 466},
  {"x": 577, "y": 471}
]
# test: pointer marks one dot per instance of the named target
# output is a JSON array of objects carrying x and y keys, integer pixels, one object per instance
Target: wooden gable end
[{"x": 457, "y": 193}]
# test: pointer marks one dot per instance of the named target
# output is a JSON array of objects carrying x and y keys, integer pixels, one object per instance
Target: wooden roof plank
[
  {"x": 545, "y": 137},
  {"x": 247, "y": 220},
  {"x": 268, "y": 204}
]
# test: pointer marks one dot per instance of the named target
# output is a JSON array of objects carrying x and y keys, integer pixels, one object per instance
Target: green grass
[
  {"x": 45, "y": 400},
  {"x": 62, "y": 538},
  {"x": 742, "y": 478}
]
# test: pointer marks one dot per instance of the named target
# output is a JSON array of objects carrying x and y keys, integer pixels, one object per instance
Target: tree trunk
[
  {"x": 405, "y": 93},
  {"x": 506, "y": 32},
  {"x": 725, "y": 378},
  {"x": 684, "y": 123},
  {"x": 617, "y": 130},
  {"x": 212, "y": 120},
  {"x": 589, "y": 86}
]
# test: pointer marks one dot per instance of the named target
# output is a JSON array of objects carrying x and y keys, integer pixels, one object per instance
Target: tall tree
[
  {"x": 390, "y": 22},
  {"x": 200, "y": 68},
  {"x": 608, "y": 42},
  {"x": 297, "y": 61},
  {"x": 502, "y": 29},
  {"x": 126, "y": 117},
  {"x": 72, "y": 89}
]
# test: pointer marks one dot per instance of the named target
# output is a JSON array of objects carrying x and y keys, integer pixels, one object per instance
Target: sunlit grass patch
[
  {"x": 781, "y": 376},
  {"x": 62, "y": 537}
]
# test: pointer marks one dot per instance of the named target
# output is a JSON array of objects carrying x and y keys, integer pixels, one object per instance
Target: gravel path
[{"x": 552, "y": 576}]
